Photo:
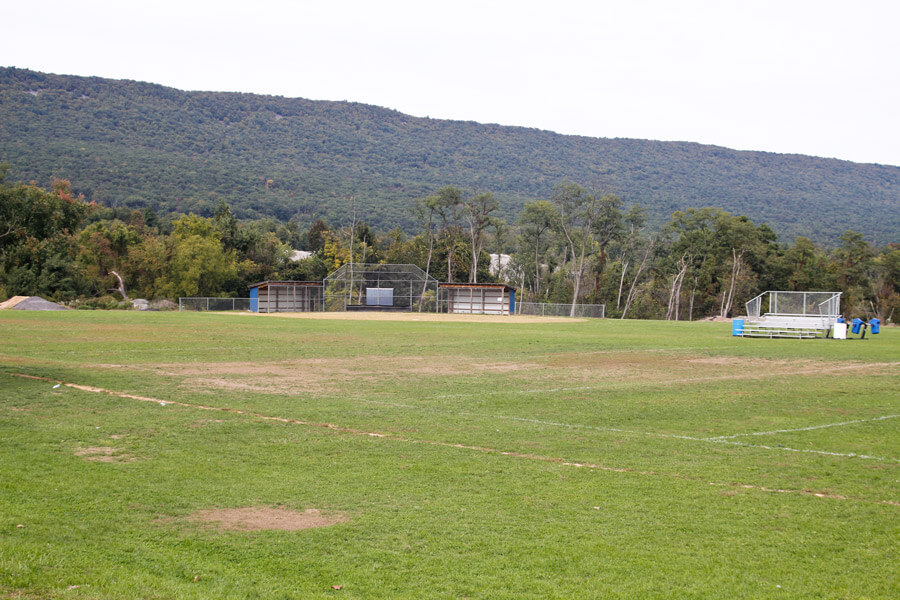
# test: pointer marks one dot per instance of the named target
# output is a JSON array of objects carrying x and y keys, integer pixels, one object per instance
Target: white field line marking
[
  {"x": 811, "y": 428},
  {"x": 389, "y": 436},
  {"x": 716, "y": 440},
  {"x": 806, "y": 450},
  {"x": 738, "y": 376},
  {"x": 536, "y": 391}
]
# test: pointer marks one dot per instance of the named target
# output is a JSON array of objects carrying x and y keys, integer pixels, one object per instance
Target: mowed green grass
[{"x": 556, "y": 459}]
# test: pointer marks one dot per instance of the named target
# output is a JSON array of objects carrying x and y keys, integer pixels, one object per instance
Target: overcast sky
[{"x": 810, "y": 77}]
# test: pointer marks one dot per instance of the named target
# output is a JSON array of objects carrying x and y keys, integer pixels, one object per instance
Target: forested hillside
[{"x": 130, "y": 144}]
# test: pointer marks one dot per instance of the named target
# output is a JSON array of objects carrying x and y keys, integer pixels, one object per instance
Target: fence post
[{"x": 207, "y": 305}]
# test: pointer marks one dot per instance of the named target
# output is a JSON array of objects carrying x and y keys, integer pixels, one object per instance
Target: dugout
[
  {"x": 477, "y": 298},
  {"x": 286, "y": 296}
]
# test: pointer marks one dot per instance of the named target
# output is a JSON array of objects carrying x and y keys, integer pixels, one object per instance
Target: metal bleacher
[{"x": 799, "y": 315}]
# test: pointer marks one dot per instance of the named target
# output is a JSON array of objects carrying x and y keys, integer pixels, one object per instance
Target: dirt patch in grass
[
  {"x": 204, "y": 423},
  {"x": 259, "y": 518},
  {"x": 332, "y": 375},
  {"x": 718, "y": 360},
  {"x": 611, "y": 361},
  {"x": 22, "y": 360},
  {"x": 103, "y": 454},
  {"x": 410, "y": 316},
  {"x": 319, "y": 376},
  {"x": 679, "y": 369}
]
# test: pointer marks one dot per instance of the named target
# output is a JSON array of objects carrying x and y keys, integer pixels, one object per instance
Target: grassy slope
[{"x": 428, "y": 519}]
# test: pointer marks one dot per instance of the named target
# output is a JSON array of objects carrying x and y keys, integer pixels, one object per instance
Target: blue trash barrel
[
  {"x": 841, "y": 320},
  {"x": 857, "y": 323},
  {"x": 875, "y": 324},
  {"x": 737, "y": 327}
]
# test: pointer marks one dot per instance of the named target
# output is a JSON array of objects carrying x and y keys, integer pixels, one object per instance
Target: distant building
[
  {"x": 298, "y": 255},
  {"x": 499, "y": 264}
]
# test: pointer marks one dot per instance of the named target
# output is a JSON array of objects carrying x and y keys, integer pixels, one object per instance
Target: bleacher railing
[{"x": 795, "y": 304}]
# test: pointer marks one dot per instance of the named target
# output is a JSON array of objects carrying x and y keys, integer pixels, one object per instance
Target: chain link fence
[
  {"x": 214, "y": 304},
  {"x": 592, "y": 311},
  {"x": 399, "y": 287}
]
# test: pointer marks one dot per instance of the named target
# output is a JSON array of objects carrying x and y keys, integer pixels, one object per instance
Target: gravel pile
[{"x": 37, "y": 303}]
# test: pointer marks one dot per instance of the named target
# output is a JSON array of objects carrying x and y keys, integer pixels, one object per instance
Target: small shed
[
  {"x": 286, "y": 296},
  {"x": 477, "y": 298}
]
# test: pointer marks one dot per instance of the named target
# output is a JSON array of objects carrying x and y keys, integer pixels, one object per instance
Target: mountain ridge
[{"x": 132, "y": 143}]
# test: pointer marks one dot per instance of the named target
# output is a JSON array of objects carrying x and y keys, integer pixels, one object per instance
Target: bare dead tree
[
  {"x": 578, "y": 211},
  {"x": 625, "y": 264},
  {"x": 736, "y": 267},
  {"x": 695, "y": 282},
  {"x": 637, "y": 276},
  {"x": 354, "y": 221},
  {"x": 675, "y": 290},
  {"x": 121, "y": 288},
  {"x": 425, "y": 211}
]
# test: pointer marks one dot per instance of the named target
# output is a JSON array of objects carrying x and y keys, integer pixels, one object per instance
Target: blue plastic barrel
[
  {"x": 737, "y": 327},
  {"x": 875, "y": 324},
  {"x": 841, "y": 320},
  {"x": 857, "y": 323}
]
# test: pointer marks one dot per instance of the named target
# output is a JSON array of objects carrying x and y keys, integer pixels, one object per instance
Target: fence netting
[
  {"x": 214, "y": 304},
  {"x": 593, "y": 311}
]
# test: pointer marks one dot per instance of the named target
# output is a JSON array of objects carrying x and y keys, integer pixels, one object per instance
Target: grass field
[{"x": 435, "y": 459}]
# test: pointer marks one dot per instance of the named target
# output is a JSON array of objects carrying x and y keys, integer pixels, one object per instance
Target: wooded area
[
  {"x": 579, "y": 245},
  {"x": 138, "y": 145}
]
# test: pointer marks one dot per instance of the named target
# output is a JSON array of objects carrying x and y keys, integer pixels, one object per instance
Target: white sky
[{"x": 811, "y": 77}]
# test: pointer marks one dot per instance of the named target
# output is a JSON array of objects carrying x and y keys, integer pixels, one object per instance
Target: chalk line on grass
[
  {"x": 237, "y": 411},
  {"x": 810, "y": 428},
  {"x": 484, "y": 449},
  {"x": 707, "y": 440},
  {"x": 819, "y": 371},
  {"x": 716, "y": 440},
  {"x": 535, "y": 391}
]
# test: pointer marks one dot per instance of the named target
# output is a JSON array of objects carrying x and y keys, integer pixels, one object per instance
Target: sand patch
[
  {"x": 324, "y": 376},
  {"x": 21, "y": 361},
  {"x": 204, "y": 423},
  {"x": 103, "y": 454},
  {"x": 413, "y": 316},
  {"x": 328, "y": 375},
  {"x": 718, "y": 360},
  {"x": 11, "y": 303},
  {"x": 260, "y": 518}
]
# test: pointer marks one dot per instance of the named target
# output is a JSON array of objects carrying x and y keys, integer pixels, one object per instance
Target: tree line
[{"x": 577, "y": 246}]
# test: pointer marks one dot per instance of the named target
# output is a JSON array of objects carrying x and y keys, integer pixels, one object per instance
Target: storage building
[
  {"x": 286, "y": 296},
  {"x": 477, "y": 298}
]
